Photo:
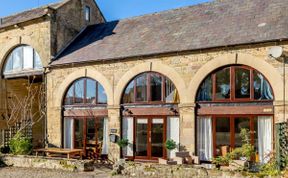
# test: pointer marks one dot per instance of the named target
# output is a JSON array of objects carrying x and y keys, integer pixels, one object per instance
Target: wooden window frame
[
  {"x": 84, "y": 100},
  {"x": 233, "y": 87},
  {"x": 148, "y": 89}
]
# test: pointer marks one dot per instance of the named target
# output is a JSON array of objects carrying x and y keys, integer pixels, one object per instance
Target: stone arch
[
  {"x": 259, "y": 64},
  {"x": 147, "y": 67},
  {"x": 61, "y": 89}
]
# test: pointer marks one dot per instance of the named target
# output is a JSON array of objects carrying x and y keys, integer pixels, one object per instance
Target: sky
[{"x": 112, "y": 9}]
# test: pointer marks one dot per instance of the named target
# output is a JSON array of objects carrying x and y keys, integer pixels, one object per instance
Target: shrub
[
  {"x": 20, "y": 145},
  {"x": 123, "y": 142},
  {"x": 170, "y": 144}
]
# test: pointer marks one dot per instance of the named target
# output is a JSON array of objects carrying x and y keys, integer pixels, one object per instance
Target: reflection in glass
[
  {"x": 223, "y": 84},
  {"x": 156, "y": 87},
  {"x": 91, "y": 91},
  {"x": 27, "y": 57},
  {"x": 102, "y": 97},
  {"x": 205, "y": 91},
  {"x": 242, "y": 83},
  {"x": 240, "y": 123},
  {"x": 22, "y": 58},
  {"x": 78, "y": 137},
  {"x": 141, "y": 88},
  {"x": 141, "y": 137},
  {"x": 128, "y": 96},
  {"x": 171, "y": 93},
  {"x": 262, "y": 89},
  {"x": 79, "y": 91},
  {"x": 69, "y": 96},
  {"x": 157, "y": 138},
  {"x": 222, "y": 136}
]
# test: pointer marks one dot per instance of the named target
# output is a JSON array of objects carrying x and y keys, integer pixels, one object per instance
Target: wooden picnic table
[{"x": 65, "y": 151}]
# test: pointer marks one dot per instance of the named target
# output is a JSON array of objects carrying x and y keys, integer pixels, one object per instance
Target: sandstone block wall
[{"x": 186, "y": 70}]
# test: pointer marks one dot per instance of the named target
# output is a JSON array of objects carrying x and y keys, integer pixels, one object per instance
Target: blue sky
[{"x": 112, "y": 9}]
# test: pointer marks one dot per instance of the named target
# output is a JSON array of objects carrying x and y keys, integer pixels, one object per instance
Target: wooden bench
[{"x": 61, "y": 151}]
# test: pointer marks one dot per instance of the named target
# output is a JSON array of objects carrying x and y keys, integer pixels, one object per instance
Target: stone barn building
[{"x": 196, "y": 75}]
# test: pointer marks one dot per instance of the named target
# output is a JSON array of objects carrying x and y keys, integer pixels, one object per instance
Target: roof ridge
[{"x": 169, "y": 10}]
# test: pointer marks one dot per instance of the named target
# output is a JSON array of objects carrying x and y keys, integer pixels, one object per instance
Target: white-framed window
[
  {"x": 21, "y": 59},
  {"x": 87, "y": 13}
]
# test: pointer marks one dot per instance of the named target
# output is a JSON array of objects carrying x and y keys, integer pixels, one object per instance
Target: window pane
[
  {"x": 223, "y": 84},
  {"x": 205, "y": 91},
  {"x": 37, "y": 61},
  {"x": 69, "y": 96},
  {"x": 262, "y": 89},
  {"x": 222, "y": 136},
  {"x": 9, "y": 64},
  {"x": 171, "y": 94},
  {"x": 102, "y": 97},
  {"x": 128, "y": 96},
  {"x": 242, "y": 83},
  {"x": 156, "y": 87},
  {"x": 79, "y": 91},
  {"x": 240, "y": 123},
  {"x": 141, "y": 88},
  {"x": 91, "y": 91},
  {"x": 27, "y": 57},
  {"x": 141, "y": 137},
  {"x": 87, "y": 13},
  {"x": 17, "y": 58},
  {"x": 78, "y": 143},
  {"x": 99, "y": 129}
]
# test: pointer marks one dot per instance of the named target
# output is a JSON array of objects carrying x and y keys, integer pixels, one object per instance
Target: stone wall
[
  {"x": 186, "y": 70},
  {"x": 69, "y": 20}
]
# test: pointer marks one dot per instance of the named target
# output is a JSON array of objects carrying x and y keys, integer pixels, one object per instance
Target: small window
[{"x": 87, "y": 13}]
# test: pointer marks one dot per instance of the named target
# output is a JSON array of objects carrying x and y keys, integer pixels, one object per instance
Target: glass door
[
  {"x": 141, "y": 133},
  {"x": 150, "y": 138},
  {"x": 157, "y": 138}
]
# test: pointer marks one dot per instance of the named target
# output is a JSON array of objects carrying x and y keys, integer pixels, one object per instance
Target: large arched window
[
  {"x": 85, "y": 123},
  {"x": 23, "y": 59},
  {"x": 150, "y": 116},
  {"x": 235, "y": 83},
  {"x": 85, "y": 91},
  {"x": 230, "y": 99},
  {"x": 150, "y": 87}
]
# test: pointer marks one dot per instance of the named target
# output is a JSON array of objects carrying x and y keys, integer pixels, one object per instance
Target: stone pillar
[
  {"x": 279, "y": 116},
  {"x": 187, "y": 127},
  {"x": 54, "y": 130},
  {"x": 114, "y": 124}
]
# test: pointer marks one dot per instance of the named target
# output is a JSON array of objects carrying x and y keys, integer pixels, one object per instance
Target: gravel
[{"x": 14, "y": 172}]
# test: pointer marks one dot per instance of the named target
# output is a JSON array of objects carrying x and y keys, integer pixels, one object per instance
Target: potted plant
[
  {"x": 169, "y": 145},
  {"x": 122, "y": 143}
]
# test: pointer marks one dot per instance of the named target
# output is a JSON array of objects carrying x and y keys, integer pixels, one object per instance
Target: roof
[
  {"x": 215, "y": 24},
  {"x": 29, "y": 14}
]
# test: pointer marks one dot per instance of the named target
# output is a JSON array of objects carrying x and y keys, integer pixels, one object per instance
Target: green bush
[
  {"x": 123, "y": 142},
  {"x": 170, "y": 144},
  {"x": 20, "y": 145}
]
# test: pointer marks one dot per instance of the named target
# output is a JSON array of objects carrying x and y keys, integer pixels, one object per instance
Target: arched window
[
  {"x": 231, "y": 99},
  {"x": 23, "y": 59},
  {"x": 235, "y": 83},
  {"x": 150, "y": 87},
  {"x": 85, "y": 123},
  {"x": 85, "y": 91}
]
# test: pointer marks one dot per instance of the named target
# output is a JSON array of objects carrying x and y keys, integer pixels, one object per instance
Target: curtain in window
[
  {"x": 262, "y": 87},
  {"x": 205, "y": 91},
  {"x": 204, "y": 138},
  {"x": 127, "y": 132},
  {"x": 264, "y": 137},
  {"x": 173, "y": 133},
  {"x": 105, "y": 137},
  {"x": 68, "y": 133}
]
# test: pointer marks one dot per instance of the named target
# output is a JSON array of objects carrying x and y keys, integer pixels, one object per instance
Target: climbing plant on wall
[{"x": 282, "y": 144}]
